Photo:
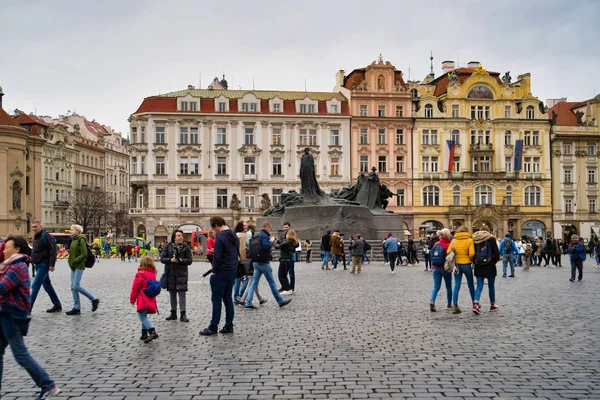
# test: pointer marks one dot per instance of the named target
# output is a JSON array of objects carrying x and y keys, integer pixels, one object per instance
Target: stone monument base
[{"x": 311, "y": 221}]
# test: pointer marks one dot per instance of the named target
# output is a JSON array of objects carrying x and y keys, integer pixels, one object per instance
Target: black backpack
[
  {"x": 257, "y": 253},
  {"x": 483, "y": 253},
  {"x": 90, "y": 260}
]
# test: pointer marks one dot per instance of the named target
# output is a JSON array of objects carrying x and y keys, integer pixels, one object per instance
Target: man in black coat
[
  {"x": 43, "y": 257},
  {"x": 177, "y": 256},
  {"x": 326, "y": 245}
]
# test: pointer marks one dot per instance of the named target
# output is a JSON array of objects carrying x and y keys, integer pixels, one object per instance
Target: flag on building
[
  {"x": 518, "y": 154},
  {"x": 449, "y": 155}
]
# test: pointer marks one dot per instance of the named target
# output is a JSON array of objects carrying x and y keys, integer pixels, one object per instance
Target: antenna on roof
[
  {"x": 199, "y": 80},
  {"x": 305, "y": 84},
  {"x": 252, "y": 83},
  {"x": 409, "y": 72},
  {"x": 457, "y": 60}
]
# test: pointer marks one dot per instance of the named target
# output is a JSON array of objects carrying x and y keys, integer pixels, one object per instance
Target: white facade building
[{"x": 193, "y": 152}]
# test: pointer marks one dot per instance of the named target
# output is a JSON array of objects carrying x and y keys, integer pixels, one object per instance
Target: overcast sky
[{"x": 101, "y": 58}]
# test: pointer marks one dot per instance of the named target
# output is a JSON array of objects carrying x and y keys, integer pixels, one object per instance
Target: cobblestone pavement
[{"x": 343, "y": 336}]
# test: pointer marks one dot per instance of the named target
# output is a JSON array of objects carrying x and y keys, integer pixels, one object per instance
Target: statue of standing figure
[{"x": 308, "y": 177}]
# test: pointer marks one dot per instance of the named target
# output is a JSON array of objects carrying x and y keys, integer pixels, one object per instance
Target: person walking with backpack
[
  {"x": 145, "y": 304},
  {"x": 260, "y": 253},
  {"x": 78, "y": 252},
  {"x": 390, "y": 246},
  {"x": 438, "y": 260},
  {"x": 177, "y": 256},
  {"x": 225, "y": 265},
  {"x": 576, "y": 252},
  {"x": 43, "y": 257},
  {"x": 508, "y": 249},
  {"x": 464, "y": 252},
  {"x": 486, "y": 257},
  {"x": 356, "y": 250},
  {"x": 14, "y": 306}
]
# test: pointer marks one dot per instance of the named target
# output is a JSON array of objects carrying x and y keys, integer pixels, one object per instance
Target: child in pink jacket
[{"x": 145, "y": 305}]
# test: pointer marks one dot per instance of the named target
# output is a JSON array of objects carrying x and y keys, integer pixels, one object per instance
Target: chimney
[
  {"x": 339, "y": 78},
  {"x": 191, "y": 87},
  {"x": 447, "y": 66},
  {"x": 473, "y": 64}
]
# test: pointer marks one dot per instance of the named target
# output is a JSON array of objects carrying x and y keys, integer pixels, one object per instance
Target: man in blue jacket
[
  {"x": 508, "y": 249},
  {"x": 224, "y": 273},
  {"x": 264, "y": 267},
  {"x": 577, "y": 253}
]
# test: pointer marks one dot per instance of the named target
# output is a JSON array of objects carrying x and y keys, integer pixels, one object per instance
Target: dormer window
[
  {"x": 307, "y": 108},
  {"x": 193, "y": 106},
  {"x": 530, "y": 112},
  {"x": 222, "y": 106},
  {"x": 249, "y": 107},
  {"x": 276, "y": 108},
  {"x": 428, "y": 111},
  {"x": 334, "y": 109},
  {"x": 184, "y": 106}
]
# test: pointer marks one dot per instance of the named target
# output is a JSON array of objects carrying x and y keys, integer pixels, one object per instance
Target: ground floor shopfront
[
  {"x": 565, "y": 226},
  {"x": 498, "y": 219}
]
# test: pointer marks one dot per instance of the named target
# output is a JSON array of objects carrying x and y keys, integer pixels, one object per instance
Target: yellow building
[
  {"x": 481, "y": 153},
  {"x": 575, "y": 136}
]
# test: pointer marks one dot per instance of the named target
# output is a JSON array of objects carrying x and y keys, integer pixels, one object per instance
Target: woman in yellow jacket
[{"x": 464, "y": 252}]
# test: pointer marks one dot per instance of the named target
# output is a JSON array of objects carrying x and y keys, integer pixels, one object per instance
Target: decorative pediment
[
  {"x": 221, "y": 152},
  {"x": 160, "y": 149},
  {"x": 430, "y": 148},
  {"x": 17, "y": 173},
  {"x": 400, "y": 150},
  {"x": 187, "y": 122},
  {"x": 308, "y": 124},
  {"x": 193, "y": 149},
  {"x": 364, "y": 150},
  {"x": 277, "y": 151},
  {"x": 313, "y": 150},
  {"x": 533, "y": 150},
  {"x": 249, "y": 150},
  {"x": 556, "y": 153},
  {"x": 335, "y": 152},
  {"x": 481, "y": 124},
  {"x": 382, "y": 149}
]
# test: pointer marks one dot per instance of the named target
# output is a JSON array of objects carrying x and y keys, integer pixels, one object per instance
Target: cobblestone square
[{"x": 343, "y": 336}]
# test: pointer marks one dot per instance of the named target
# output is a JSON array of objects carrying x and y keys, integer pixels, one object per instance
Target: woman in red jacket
[{"x": 145, "y": 305}]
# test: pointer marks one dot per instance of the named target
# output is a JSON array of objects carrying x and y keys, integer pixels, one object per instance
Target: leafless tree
[{"x": 88, "y": 208}]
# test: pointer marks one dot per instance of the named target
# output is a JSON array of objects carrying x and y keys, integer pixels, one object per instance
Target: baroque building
[
  {"x": 481, "y": 152},
  {"x": 20, "y": 175},
  {"x": 575, "y": 136},
  {"x": 196, "y": 153},
  {"x": 381, "y": 130}
]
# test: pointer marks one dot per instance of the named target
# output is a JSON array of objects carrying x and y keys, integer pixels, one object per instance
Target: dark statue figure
[
  {"x": 308, "y": 176},
  {"x": 507, "y": 78}
]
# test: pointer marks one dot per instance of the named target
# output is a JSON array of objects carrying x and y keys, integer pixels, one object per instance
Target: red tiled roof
[
  {"x": 158, "y": 104},
  {"x": 25, "y": 119},
  {"x": 564, "y": 113},
  {"x": 463, "y": 74},
  {"x": 354, "y": 78},
  {"x": 95, "y": 128},
  {"x": 6, "y": 119}
]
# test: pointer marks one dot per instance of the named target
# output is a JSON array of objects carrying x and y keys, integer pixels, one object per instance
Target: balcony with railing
[
  {"x": 532, "y": 176},
  {"x": 61, "y": 203},
  {"x": 481, "y": 148},
  {"x": 249, "y": 177}
]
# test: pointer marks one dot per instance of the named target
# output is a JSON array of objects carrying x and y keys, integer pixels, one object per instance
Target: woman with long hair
[
  {"x": 464, "y": 252},
  {"x": 177, "y": 256},
  {"x": 482, "y": 239}
]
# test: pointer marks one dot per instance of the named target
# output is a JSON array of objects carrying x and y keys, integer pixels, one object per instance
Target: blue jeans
[
  {"x": 365, "y": 257},
  {"x": 491, "y": 288},
  {"x": 42, "y": 277},
  {"x": 143, "y": 315},
  {"x": 22, "y": 356},
  {"x": 427, "y": 259},
  {"x": 76, "y": 288},
  {"x": 597, "y": 258},
  {"x": 292, "y": 274},
  {"x": 508, "y": 259},
  {"x": 438, "y": 275},
  {"x": 336, "y": 260},
  {"x": 260, "y": 269},
  {"x": 239, "y": 287},
  {"x": 221, "y": 287},
  {"x": 326, "y": 256},
  {"x": 468, "y": 272},
  {"x": 385, "y": 257}
]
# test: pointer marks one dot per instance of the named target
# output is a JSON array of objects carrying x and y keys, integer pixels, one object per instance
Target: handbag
[
  {"x": 242, "y": 269},
  {"x": 163, "y": 279},
  {"x": 450, "y": 263}
]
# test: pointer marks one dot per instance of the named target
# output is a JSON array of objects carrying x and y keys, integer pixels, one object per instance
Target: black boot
[
  {"x": 151, "y": 335},
  {"x": 173, "y": 316},
  {"x": 144, "y": 334},
  {"x": 183, "y": 318}
]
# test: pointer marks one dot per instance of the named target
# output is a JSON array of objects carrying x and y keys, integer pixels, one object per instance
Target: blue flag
[{"x": 518, "y": 155}]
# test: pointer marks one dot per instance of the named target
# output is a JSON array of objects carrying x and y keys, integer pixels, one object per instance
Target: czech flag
[{"x": 449, "y": 155}]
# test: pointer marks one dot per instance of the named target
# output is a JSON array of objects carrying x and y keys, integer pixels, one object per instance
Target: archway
[
  {"x": 141, "y": 231},
  {"x": 429, "y": 227},
  {"x": 160, "y": 235},
  {"x": 533, "y": 228},
  {"x": 481, "y": 222},
  {"x": 568, "y": 230}
]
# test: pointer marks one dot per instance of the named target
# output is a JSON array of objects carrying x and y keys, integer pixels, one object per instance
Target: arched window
[
  {"x": 509, "y": 195},
  {"x": 456, "y": 195},
  {"x": 530, "y": 112},
  {"x": 428, "y": 111},
  {"x": 533, "y": 196},
  {"x": 431, "y": 196},
  {"x": 483, "y": 195}
]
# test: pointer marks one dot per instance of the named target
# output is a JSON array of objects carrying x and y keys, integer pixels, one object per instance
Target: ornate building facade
[
  {"x": 20, "y": 175},
  {"x": 575, "y": 136},
  {"x": 481, "y": 153},
  {"x": 381, "y": 134},
  {"x": 196, "y": 153}
]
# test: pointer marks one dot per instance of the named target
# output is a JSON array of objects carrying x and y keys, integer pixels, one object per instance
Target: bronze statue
[
  {"x": 235, "y": 202},
  {"x": 308, "y": 176}
]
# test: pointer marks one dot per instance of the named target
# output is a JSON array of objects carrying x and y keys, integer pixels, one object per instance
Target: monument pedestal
[{"x": 313, "y": 221}]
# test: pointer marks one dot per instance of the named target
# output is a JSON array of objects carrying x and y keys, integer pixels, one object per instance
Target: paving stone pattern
[{"x": 342, "y": 337}]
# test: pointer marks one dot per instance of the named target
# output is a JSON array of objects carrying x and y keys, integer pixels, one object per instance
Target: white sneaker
[
  {"x": 392, "y": 272},
  {"x": 49, "y": 393},
  {"x": 286, "y": 292}
]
